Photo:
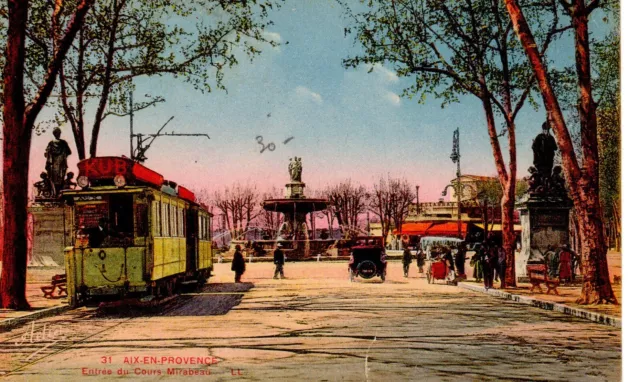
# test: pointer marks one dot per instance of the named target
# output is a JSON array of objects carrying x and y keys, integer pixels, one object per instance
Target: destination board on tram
[{"x": 89, "y": 215}]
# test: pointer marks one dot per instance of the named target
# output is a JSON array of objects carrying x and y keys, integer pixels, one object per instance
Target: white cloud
[
  {"x": 304, "y": 92},
  {"x": 384, "y": 73},
  {"x": 393, "y": 98},
  {"x": 271, "y": 36}
]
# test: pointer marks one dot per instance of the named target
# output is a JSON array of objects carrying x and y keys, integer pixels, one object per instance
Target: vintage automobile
[{"x": 368, "y": 258}]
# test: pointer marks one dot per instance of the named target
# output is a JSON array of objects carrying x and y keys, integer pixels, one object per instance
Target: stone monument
[
  {"x": 49, "y": 216},
  {"x": 56, "y": 153},
  {"x": 295, "y": 187},
  {"x": 544, "y": 211}
]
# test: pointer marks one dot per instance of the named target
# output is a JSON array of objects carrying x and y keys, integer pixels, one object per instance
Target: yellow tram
[{"x": 133, "y": 233}]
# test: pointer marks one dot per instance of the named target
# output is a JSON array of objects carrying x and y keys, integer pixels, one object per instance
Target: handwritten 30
[{"x": 269, "y": 146}]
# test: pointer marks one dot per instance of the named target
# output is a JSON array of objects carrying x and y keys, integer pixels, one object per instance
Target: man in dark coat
[
  {"x": 488, "y": 259},
  {"x": 461, "y": 257},
  {"x": 278, "y": 260},
  {"x": 238, "y": 265},
  {"x": 502, "y": 266},
  {"x": 420, "y": 258},
  {"x": 476, "y": 261},
  {"x": 406, "y": 260}
]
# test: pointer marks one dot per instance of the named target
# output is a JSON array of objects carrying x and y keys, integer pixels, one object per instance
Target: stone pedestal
[
  {"x": 294, "y": 190},
  {"x": 48, "y": 236},
  {"x": 545, "y": 227}
]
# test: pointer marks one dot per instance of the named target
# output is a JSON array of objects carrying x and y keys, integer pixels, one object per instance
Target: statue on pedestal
[
  {"x": 56, "y": 153},
  {"x": 544, "y": 150},
  {"x": 545, "y": 179},
  {"x": 295, "y": 169}
]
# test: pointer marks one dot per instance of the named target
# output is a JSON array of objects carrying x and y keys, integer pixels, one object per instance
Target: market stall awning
[
  {"x": 497, "y": 227},
  {"x": 413, "y": 229},
  {"x": 446, "y": 229},
  {"x": 432, "y": 229}
]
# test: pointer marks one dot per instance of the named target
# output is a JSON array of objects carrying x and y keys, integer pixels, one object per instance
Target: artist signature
[{"x": 46, "y": 335}]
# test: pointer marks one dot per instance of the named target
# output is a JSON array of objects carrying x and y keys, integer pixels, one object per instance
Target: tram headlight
[
  {"x": 83, "y": 181},
  {"x": 119, "y": 181}
]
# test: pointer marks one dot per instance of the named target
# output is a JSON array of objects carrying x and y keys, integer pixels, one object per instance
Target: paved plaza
[{"x": 316, "y": 325}]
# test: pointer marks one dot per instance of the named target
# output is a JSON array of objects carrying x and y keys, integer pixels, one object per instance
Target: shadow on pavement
[{"x": 210, "y": 300}]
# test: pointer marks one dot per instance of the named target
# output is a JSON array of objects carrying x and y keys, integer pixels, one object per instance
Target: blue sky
[{"x": 345, "y": 123}]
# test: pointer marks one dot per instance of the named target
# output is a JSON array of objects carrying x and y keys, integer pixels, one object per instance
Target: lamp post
[
  {"x": 457, "y": 186},
  {"x": 417, "y": 200}
]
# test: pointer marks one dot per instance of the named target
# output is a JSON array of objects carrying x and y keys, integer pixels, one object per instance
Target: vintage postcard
[{"x": 330, "y": 190}]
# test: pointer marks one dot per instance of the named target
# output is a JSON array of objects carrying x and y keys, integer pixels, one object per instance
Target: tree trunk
[
  {"x": 507, "y": 181},
  {"x": 583, "y": 188},
  {"x": 508, "y": 238},
  {"x": 15, "y": 147},
  {"x": 508, "y": 203}
]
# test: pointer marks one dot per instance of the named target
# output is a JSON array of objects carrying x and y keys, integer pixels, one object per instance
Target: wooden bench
[
  {"x": 58, "y": 282},
  {"x": 538, "y": 274}
]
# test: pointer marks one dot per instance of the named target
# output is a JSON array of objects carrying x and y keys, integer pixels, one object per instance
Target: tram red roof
[
  {"x": 186, "y": 194},
  {"x": 101, "y": 168},
  {"x": 109, "y": 167}
]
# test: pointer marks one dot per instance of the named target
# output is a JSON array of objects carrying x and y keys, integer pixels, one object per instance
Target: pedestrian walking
[
  {"x": 494, "y": 252},
  {"x": 420, "y": 259},
  {"x": 575, "y": 263},
  {"x": 553, "y": 262},
  {"x": 238, "y": 264},
  {"x": 566, "y": 268},
  {"x": 487, "y": 261},
  {"x": 278, "y": 260},
  {"x": 461, "y": 258},
  {"x": 406, "y": 261},
  {"x": 476, "y": 262},
  {"x": 502, "y": 266},
  {"x": 448, "y": 258}
]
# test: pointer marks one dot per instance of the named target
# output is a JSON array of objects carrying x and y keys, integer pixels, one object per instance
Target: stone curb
[
  {"x": 11, "y": 323},
  {"x": 548, "y": 305}
]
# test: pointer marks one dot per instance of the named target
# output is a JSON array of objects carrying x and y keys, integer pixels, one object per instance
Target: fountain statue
[{"x": 295, "y": 169}]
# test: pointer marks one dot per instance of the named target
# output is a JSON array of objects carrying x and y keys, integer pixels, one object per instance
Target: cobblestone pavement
[{"x": 316, "y": 325}]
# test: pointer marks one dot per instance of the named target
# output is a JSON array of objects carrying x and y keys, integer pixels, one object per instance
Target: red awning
[
  {"x": 413, "y": 229},
  {"x": 447, "y": 229}
]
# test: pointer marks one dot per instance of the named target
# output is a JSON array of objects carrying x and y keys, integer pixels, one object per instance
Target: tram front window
[
  {"x": 121, "y": 214},
  {"x": 107, "y": 224}
]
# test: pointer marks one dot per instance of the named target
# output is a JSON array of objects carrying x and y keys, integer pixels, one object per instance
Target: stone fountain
[{"x": 293, "y": 234}]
